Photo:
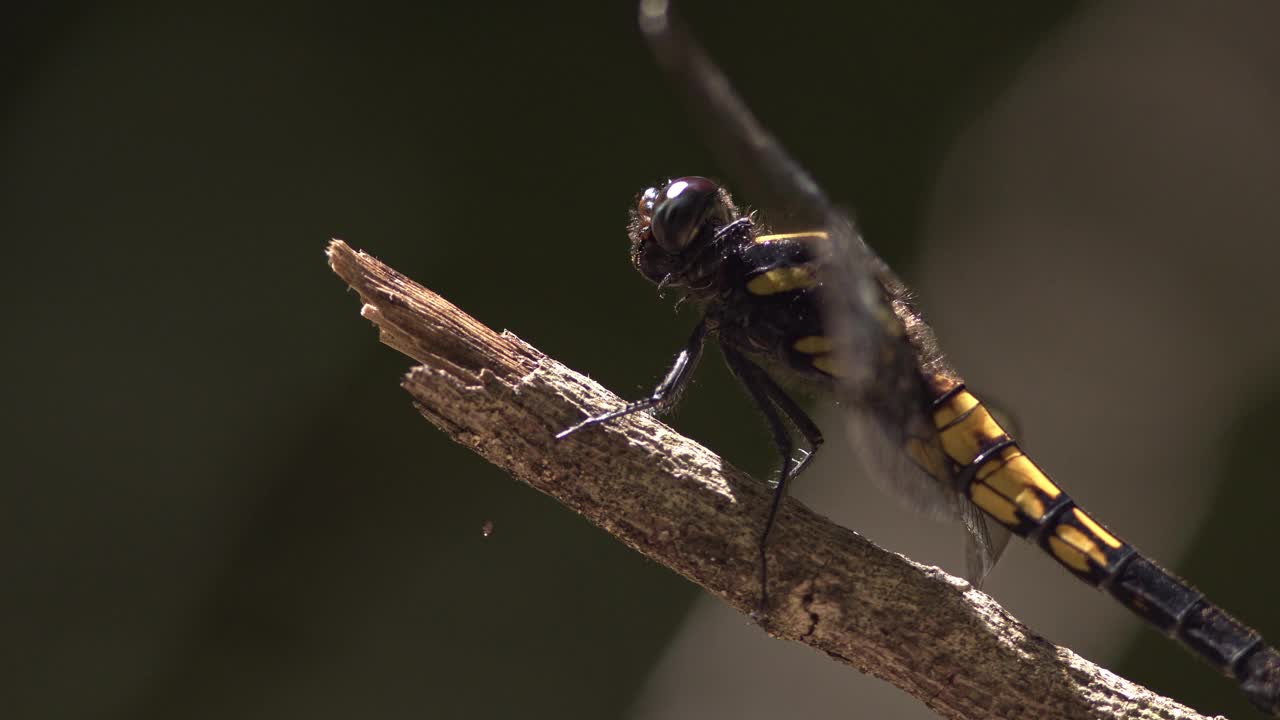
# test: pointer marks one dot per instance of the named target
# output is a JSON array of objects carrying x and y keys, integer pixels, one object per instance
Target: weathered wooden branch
[{"x": 679, "y": 504}]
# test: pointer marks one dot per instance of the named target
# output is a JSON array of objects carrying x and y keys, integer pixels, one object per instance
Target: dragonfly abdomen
[{"x": 1000, "y": 479}]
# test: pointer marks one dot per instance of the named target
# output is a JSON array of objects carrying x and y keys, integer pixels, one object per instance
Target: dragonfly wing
[
  {"x": 984, "y": 543},
  {"x": 878, "y": 449},
  {"x": 903, "y": 477}
]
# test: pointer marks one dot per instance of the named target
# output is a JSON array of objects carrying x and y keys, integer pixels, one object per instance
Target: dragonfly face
[
  {"x": 679, "y": 231},
  {"x": 759, "y": 292}
]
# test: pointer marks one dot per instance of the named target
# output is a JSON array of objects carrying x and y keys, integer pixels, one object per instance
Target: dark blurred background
[{"x": 218, "y": 503}]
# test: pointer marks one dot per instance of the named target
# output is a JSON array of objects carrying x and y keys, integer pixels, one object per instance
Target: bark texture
[{"x": 678, "y": 503}]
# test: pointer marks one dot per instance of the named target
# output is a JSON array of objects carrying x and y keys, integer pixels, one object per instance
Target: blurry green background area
[{"x": 218, "y": 503}]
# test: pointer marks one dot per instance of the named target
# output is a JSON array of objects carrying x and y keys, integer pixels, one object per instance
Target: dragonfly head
[{"x": 674, "y": 231}]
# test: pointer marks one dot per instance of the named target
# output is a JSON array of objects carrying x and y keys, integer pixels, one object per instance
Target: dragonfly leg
[
  {"x": 668, "y": 391},
  {"x": 774, "y": 404}
]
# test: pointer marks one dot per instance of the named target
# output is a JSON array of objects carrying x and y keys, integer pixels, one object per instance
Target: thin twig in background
[{"x": 680, "y": 505}]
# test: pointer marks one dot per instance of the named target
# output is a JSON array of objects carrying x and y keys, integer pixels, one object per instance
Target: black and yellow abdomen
[
  {"x": 992, "y": 472},
  {"x": 1000, "y": 479}
]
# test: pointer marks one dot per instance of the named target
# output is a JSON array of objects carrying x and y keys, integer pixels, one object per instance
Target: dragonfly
[{"x": 814, "y": 303}]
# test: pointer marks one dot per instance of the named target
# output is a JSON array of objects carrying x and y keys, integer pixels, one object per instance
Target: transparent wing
[
  {"x": 913, "y": 481},
  {"x": 887, "y": 363},
  {"x": 984, "y": 543}
]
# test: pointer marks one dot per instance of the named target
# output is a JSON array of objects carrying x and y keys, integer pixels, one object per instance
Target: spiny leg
[
  {"x": 668, "y": 391},
  {"x": 771, "y": 399},
  {"x": 798, "y": 417},
  {"x": 807, "y": 428}
]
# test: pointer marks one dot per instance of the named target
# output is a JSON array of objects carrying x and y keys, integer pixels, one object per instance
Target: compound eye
[
  {"x": 681, "y": 209},
  {"x": 646, "y": 202}
]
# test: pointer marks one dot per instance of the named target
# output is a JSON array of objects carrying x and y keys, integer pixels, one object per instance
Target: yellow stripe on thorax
[
  {"x": 813, "y": 345},
  {"x": 813, "y": 234},
  {"x": 820, "y": 348},
  {"x": 826, "y": 363},
  {"x": 783, "y": 279}
]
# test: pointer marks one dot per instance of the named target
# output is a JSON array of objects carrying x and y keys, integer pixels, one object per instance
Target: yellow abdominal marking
[
  {"x": 1008, "y": 486},
  {"x": 812, "y": 345},
  {"x": 994, "y": 505},
  {"x": 1068, "y": 555},
  {"x": 1097, "y": 530},
  {"x": 957, "y": 405},
  {"x": 1013, "y": 473},
  {"x": 1078, "y": 546},
  {"x": 815, "y": 234},
  {"x": 1004, "y": 485},
  {"x": 779, "y": 280},
  {"x": 969, "y": 433},
  {"x": 1030, "y": 505}
]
